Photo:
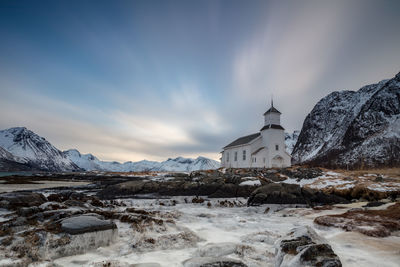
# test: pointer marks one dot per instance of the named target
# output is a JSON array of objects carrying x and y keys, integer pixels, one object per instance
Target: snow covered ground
[{"x": 245, "y": 233}]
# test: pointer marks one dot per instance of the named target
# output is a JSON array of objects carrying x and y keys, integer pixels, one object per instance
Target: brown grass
[{"x": 377, "y": 223}]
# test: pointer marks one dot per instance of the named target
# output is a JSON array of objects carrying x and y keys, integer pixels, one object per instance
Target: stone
[
  {"x": 84, "y": 223},
  {"x": 16, "y": 200},
  {"x": 304, "y": 247},
  {"x": 281, "y": 193}
]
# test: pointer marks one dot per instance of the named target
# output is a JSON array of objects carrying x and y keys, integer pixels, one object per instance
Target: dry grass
[
  {"x": 377, "y": 223},
  {"x": 391, "y": 172}
]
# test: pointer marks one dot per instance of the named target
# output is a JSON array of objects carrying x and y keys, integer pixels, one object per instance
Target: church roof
[
  {"x": 272, "y": 109},
  {"x": 258, "y": 150},
  {"x": 272, "y": 126},
  {"x": 243, "y": 140}
]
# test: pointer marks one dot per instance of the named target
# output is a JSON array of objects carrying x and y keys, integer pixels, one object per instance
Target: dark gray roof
[
  {"x": 272, "y": 126},
  {"x": 258, "y": 150},
  {"x": 243, "y": 140},
  {"x": 272, "y": 109}
]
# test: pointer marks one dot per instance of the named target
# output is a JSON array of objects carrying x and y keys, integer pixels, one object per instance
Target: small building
[{"x": 265, "y": 149}]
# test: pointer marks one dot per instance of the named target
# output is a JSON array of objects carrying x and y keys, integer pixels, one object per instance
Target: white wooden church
[{"x": 265, "y": 149}]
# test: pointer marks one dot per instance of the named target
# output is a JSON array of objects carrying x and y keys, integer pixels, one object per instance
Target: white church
[{"x": 265, "y": 149}]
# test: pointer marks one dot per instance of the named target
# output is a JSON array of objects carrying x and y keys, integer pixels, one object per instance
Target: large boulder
[
  {"x": 84, "y": 224},
  {"x": 304, "y": 247},
  {"x": 281, "y": 193},
  {"x": 17, "y": 200}
]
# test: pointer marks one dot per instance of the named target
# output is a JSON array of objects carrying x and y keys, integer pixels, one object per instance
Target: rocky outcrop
[
  {"x": 18, "y": 200},
  {"x": 353, "y": 129},
  {"x": 213, "y": 184},
  {"x": 304, "y": 247},
  {"x": 281, "y": 193}
]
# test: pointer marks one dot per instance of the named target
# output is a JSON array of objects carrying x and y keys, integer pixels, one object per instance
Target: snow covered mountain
[
  {"x": 291, "y": 140},
  {"x": 89, "y": 162},
  {"x": 22, "y": 149},
  {"x": 21, "y": 145},
  {"x": 353, "y": 128}
]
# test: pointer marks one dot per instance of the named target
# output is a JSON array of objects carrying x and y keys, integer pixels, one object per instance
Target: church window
[
  {"x": 235, "y": 155},
  {"x": 227, "y": 157},
  {"x": 276, "y": 147},
  {"x": 244, "y": 154}
]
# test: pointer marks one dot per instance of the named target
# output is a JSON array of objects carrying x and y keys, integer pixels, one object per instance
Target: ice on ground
[
  {"x": 249, "y": 228},
  {"x": 384, "y": 187},
  {"x": 250, "y": 182},
  {"x": 302, "y": 182},
  {"x": 323, "y": 183}
]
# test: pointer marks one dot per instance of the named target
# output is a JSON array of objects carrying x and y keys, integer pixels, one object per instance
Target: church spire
[{"x": 272, "y": 100}]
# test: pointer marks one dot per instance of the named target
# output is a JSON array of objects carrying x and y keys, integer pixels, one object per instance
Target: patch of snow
[{"x": 250, "y": 182}]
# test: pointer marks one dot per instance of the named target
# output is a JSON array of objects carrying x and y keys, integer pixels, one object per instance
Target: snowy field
[{"x": 244, "y": 233}]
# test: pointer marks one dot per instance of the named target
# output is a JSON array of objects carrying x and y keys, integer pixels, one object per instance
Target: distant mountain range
[
  {"x": 353, "y": 129},
  {"x": 90, "y": 162},
  {"x": 23, "y": 150}
]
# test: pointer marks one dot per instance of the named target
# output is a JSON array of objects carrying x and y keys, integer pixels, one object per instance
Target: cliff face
[{"x": 353, "y": 129}]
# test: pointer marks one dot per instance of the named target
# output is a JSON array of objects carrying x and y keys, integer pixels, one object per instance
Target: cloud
[
  {"x": 289, "y": 54},
  {"x": 171, "y": 127}
]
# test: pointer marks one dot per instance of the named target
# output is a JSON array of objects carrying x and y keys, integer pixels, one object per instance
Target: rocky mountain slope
[
  {"x": 291, "y": 140},
  {"x": 90, "y": 163},
  {"x": 352, "y": 129},
  {"x": 22, "y": 146}
]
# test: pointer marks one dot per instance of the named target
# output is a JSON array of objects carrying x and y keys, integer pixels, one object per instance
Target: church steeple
[
  {"x": 272, "y": 118},
  {"x": 272, "y": 108}
]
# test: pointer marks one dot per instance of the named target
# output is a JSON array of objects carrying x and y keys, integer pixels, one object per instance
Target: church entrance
[{"x": 277, "y": 162}]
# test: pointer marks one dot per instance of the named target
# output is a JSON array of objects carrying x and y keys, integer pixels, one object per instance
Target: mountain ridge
[
  {"x": 22, "y": 149},
  {"x": 353, "y": 129}
]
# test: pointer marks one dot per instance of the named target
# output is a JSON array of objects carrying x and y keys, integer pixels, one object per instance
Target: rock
[
  {"x": 216, "y": 250},
  {"x": 213, "y": 187},
  {"x": 16, "y": 200},
  {"x": 281, "y": 193},
  {"x": 74, "y": 203},
  {"x": 302, "y": 173},
  {"x": 212, "y": 262},
  {"x": 374, "y": 204},
  {"x": 28, "y": 211},
  {"x": 84, "y": 223},
  {"x": 304, "y": 247}
]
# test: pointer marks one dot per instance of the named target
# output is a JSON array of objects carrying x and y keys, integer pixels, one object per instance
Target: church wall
[
  {"x": 261, "y": 159},
  {"x": 271, "y": 138},
  {"x": 239, "y": 163}
]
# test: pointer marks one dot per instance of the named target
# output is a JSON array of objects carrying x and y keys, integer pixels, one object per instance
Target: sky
[{"x": 133, "y": 80}]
